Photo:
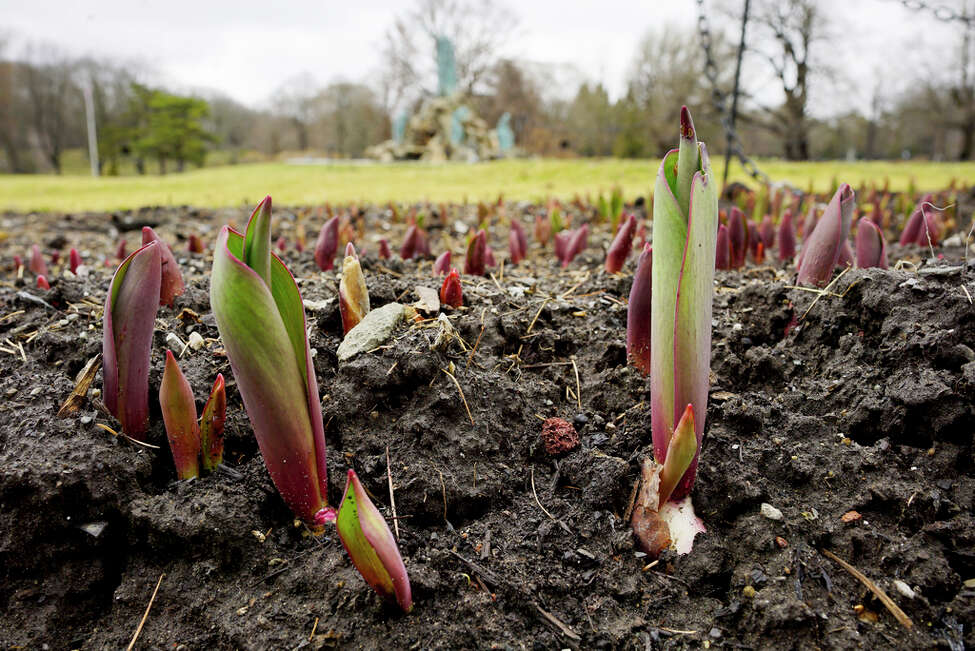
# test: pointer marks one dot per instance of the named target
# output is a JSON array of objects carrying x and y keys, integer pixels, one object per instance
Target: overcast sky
[{"x": 246, "y": 48}]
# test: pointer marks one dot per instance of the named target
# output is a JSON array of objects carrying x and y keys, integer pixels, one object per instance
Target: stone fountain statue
[{"x": 445, "y": 127}]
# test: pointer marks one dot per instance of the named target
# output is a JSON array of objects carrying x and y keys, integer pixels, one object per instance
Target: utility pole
[
  {"x": 734, "y": 94},
  {"x": 90, "y": 119}
]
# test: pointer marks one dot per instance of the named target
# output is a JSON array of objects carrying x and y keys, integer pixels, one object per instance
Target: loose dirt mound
[{"x": 857, "y": 400}]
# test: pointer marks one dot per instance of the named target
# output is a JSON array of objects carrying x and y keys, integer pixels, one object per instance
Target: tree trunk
[{"x": 968, "y": 140}]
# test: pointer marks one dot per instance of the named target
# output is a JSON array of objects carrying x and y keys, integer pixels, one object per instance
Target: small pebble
[
  {"x": 174, "y": 342},
  {"x": 904, "y": 589},
  {"x": 748, "y": 592},
  {"x": 771, "y": 512},
  {"x": 580, "y": 419},
  {"x": 196, "y": 341},
  {"x": 86, "y": 420}
]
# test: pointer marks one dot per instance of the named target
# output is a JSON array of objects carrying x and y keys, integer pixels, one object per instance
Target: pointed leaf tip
[
  {"x": 680, "y": 453},
  {"x": 211, "y": 425},
  {"x": 686, "y": 124},
  {"x": 371, "y": 546},
  {"x": 179, "y": 415}
]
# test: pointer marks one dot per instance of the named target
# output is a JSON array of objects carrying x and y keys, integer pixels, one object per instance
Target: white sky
[{"x": 246, "y": 48}]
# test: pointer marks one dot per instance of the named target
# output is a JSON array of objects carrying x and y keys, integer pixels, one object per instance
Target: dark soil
[{"x": 862, "y": 399}]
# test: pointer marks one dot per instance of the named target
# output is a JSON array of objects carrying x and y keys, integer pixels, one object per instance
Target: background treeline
[{"x": 790, "y": 80}]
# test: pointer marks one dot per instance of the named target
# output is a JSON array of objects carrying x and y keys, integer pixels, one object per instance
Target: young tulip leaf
[
  {"x": 638, "y": 314},
  {"x": 722, "y": 249},
  {"x": 130, "y": 315},
  {"x": 451, "y": 292},
  {"x": 179, "y": 415},
  {"x": 474, "y": 261},
  {"x": 263, "y": 330},
  {"x": 211, "y": 426},
  {"x": 619, "y": 250},
  {"x": 871, "y": 247},
  {"x": 327, "y": 244},
  {"x": 684, "y": 249},
  {"x": 680, "y": 453},
  {"x": 172, "y": 280},
  {"x": 823, "y": 248},
  {"x": 787, "y": 237},
  {"x": 371, "y": 546},
  {"x": 257, "y": 241},
  {"x": 353, "y": 293}
]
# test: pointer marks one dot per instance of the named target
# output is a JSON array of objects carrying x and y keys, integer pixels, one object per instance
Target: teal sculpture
[
  {"x": 446, "y": 67},
  {"x": 506, "y": 137}
]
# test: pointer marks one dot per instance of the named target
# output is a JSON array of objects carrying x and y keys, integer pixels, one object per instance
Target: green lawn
[{"x": 232, "y": 185}]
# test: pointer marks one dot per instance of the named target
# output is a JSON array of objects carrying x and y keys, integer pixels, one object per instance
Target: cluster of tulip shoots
[
  {"x": 144, "y": 280},
  {"x": 549, "y": 226},
  {"x": 261, "y": 320},
  {"x": 825, "y": 233}
]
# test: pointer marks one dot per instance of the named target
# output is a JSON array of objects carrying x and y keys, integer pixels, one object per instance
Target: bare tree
[
  {"x": 962, "y": 93},
  {"x": 53, "y": 100},
  {"x": 784, "y": 36},
  {"x": 295, "y": 100},
  {"x": 477, "y": 28},
  {"x": 666, "y": 73},
  {"x": 11, "y": 111}
]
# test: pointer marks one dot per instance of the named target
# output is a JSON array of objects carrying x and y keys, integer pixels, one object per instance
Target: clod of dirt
[{"x": 558, "y": 436}]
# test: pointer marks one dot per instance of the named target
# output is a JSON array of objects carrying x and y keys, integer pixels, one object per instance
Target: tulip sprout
[{"x": 685, "y": 224}]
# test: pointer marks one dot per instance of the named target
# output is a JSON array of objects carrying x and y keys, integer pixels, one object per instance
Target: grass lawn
[{"x": 231, "y": 185}]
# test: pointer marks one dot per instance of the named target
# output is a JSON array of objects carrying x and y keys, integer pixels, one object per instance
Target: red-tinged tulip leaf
[
  {"x": 442, "y": 264},
  {"x": 787, "y": 237},
  {"x": 179, "y": 415},
  {"x": 211, "y": 426},
  {"x": 130, "y": 315},
  {"x": 474, "y": 261},
  {"x": 263, "y": 330},
  {"x": 914, "y": 226},
  {"x": 722, "y": 250},
  {"x": 327, "y": 244},
  {"x": 172, "y": 279},
  {"x": 871, "y": 247},
  {"x": 371, "y": 545},
  {"x": 37, "y": 264},
  {"x": 619, "y": 250},
  {"x": 692, "y": 322},
  {"x": 638, "y": 314},
  {"x": 737, "y": 238},
  {"x": 823, "y": 247},
  {"x": 680, "y": 454},
  {"x": 451, "y": 292},
  {"x": 409, "y": 247}
]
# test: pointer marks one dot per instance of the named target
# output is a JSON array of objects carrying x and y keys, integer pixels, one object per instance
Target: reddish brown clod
[{"x": 559, "y": 436}]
